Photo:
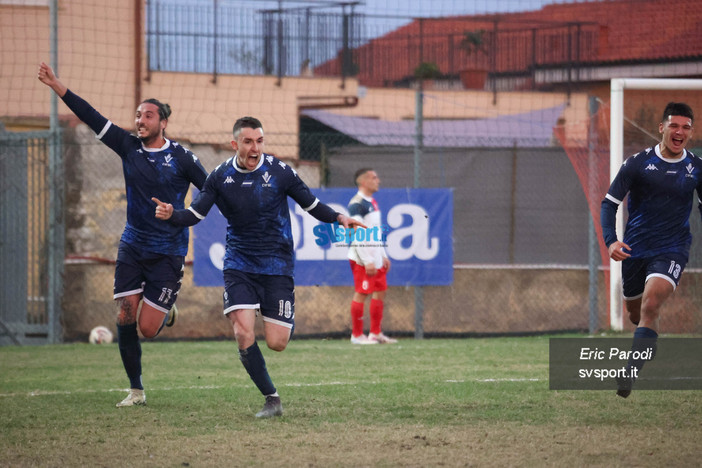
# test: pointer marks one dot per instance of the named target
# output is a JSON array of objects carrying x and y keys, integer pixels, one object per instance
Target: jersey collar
[
  {"x": 365, "y": 197},
  {"x": 670, "y": 160},
  {"x": 156, "y": 150},
  {"x": 243, "y": 170}
]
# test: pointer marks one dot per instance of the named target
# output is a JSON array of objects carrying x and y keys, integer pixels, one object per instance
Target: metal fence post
[
  {"x": 418, "y": 144},
  {"x": 593, "y": 250},
  {"x": 56, "y": 196}
]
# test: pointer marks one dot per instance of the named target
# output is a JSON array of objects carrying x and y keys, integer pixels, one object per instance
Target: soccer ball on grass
[{"x": 100, "y": 335}]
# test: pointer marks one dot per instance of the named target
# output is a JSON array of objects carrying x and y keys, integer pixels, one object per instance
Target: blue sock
[
  {"x": 255, "y": 365},
  {"x": 645, "y": 332},
  {"x": 644, "y": 339},
  {"x": 130, "y": 350}
]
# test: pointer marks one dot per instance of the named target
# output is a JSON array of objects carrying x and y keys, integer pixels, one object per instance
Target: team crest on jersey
[
  {"x": 689, "y": 168},
  {"x": 168, "y": 159},
  {"x": 266, "y": 179}
]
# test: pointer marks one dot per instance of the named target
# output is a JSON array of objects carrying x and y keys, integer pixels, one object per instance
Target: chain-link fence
[
  {"x": 507, "y": 202},
  {"x": 335, "y": 85},
  {"x": 520, "y": 242},
  {"x": 31, "y": 238}
]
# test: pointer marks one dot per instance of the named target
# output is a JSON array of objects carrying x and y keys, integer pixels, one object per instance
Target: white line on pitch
[
  {"x": 34, "y": 393},
  {"x": 495, "y": 380}
]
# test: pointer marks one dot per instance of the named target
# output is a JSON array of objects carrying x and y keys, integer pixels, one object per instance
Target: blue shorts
[
  {"x": 157, "y": 277},
  {"x": 635, "y": 272},
  {"x": 273, "y": 295}
]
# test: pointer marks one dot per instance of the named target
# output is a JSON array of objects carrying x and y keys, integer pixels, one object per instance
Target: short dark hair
[
  {"x": 164, "y": 110},
  {"x": 678, "y": 108},
  {"x": 245, "y": 122},
  {"x": 359, "y": 173}
]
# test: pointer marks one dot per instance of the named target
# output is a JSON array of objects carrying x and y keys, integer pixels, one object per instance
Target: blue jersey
[
  {"x": 165, "y": 173},
  {"x": 660, "y": 201},
  {"x": 255, "y": 204}
]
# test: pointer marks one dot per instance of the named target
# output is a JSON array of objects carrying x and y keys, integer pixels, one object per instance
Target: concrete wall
[{"x": 481, "y": 301}]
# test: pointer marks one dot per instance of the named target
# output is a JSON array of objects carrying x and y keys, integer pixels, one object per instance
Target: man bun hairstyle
[
  {"x": 678, "y": 108},
  {"x": 359, "y": 173},
  {"x": 164, "y": 110},
  {"x": 245, "y": 122}
]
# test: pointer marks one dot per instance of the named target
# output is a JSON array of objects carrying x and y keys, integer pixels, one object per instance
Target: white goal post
[{"x": 616, "y": 157}]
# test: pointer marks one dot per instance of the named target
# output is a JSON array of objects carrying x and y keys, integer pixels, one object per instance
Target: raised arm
[{"x": 80, "y": 107}]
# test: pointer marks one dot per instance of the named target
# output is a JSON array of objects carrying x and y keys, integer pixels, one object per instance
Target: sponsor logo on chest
[
  {"x": 250, "y": 182},
  {"x": 266, "y": 180},
  {"x": 690, "y": 169}
]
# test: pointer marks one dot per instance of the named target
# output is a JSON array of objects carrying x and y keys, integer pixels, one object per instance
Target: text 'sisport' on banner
[{"x": 417, "y": 232}]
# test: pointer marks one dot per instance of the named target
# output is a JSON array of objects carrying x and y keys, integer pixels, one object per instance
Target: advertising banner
[{"x": 416, "y": 231}]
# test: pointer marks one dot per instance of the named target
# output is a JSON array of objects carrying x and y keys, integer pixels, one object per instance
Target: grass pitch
[{"x": 436, "y": 402}]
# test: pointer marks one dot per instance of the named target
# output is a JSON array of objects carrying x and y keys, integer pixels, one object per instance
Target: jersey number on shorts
[
  {"x": 674, "y": 269},
  {"x": 165, "y": 295},
  {"x": 284, "y": 309}
]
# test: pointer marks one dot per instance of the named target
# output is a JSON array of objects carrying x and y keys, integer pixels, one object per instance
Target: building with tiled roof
[{"x": 553, "y": 47}]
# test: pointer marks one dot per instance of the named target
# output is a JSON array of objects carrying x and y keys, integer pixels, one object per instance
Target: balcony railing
[{"x": 224, "y": 38}]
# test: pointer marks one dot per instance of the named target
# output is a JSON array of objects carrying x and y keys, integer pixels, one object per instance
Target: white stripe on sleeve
[
  {"x": 316, "y": 202},
  {"x": 197, "y": 215},
  {"x": 612, "y": 199},
  {"x": 103, "y": 131}
]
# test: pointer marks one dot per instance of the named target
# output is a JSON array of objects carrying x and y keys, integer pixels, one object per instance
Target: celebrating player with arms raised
[{"x": 151, "y": 254}]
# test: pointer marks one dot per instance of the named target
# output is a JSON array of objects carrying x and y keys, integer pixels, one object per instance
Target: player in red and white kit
[{"x": 369, "y": 261}]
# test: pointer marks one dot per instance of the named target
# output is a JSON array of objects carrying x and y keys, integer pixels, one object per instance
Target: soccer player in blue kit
[
  {"x": 150, "y": 259},
  {"x": 660, "y": 182},
  {"x": 251, "y": 190}
]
